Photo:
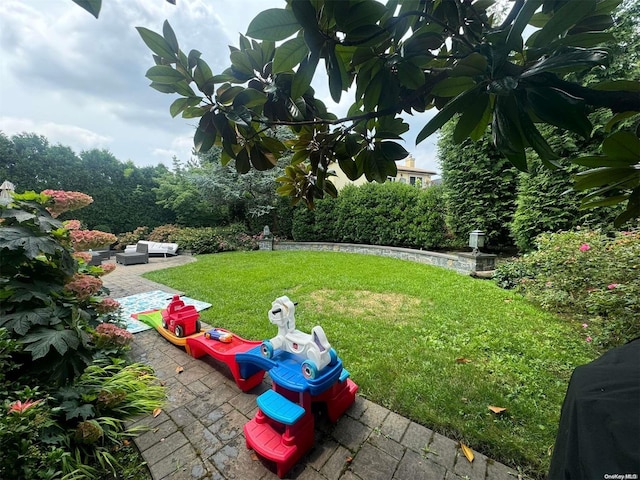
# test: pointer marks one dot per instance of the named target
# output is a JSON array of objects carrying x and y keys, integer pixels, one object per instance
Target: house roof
[{"x": 403, "y": 168}]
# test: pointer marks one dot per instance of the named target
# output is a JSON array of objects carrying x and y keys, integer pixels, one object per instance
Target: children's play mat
[{"x": 153, "y": 300}]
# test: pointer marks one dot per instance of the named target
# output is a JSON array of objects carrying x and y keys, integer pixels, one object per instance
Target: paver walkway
[{"x": 199, "y": 433}]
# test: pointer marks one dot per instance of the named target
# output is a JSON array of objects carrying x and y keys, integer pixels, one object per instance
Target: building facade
[{"x": 407, "y": 173}]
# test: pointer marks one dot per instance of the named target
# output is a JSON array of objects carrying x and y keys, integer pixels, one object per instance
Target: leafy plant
[
  {"x": 399, "y": 57},
  {"x": 586, "y": 275}
]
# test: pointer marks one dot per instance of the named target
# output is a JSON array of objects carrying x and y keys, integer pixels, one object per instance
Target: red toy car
[{"x": 180, "y": 319}]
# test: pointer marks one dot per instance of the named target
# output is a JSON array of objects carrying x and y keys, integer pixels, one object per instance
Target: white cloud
[{"x": 77, "y": 138}]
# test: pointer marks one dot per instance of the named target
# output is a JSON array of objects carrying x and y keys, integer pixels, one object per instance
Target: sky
[{"x": 81, "y": 82}]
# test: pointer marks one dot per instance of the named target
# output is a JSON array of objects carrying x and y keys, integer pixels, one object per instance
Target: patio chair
[{"x": 141, "y": 255}]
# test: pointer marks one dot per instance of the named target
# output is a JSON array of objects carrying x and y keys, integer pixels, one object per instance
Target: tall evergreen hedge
[{"x": 392, "y": 214}]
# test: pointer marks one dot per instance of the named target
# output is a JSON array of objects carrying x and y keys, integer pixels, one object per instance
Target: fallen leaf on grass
[
  {"x": 467, "y": 452},
  {"x": 179, "y": 369},
  {"x": 496, "y": 410},
  {"x": 507, "y": 300},
  {"x": 156, "y": 412},
  {"x": 462, "y": 360}
]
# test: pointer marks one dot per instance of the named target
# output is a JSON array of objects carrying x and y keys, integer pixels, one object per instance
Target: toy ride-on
[
  {"x": 180, "y": 319},
  {"x": 315, "y": 348}
]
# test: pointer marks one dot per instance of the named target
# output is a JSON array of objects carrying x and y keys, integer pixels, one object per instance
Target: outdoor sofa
[{"x": 155, "y": 248}]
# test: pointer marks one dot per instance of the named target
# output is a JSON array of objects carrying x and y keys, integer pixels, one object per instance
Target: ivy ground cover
[{"x": 435, "y": 346}]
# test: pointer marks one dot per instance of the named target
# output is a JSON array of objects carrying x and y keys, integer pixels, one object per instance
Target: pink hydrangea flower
[
  {"x": 107, "y": 268},
  {"x": 589, "y": 339},
  {"x": 585, "y": 325},
  {"x": 612, "y": 286},
  {"x": 66, "y": 201},
  {"x": 87, "y": 239},
  {"x": 107, "y": 305},
  {"x": 84, "y": 285},
  {"x": 84, "y": 256},
  {"x": 585, "y": 247},
  {"x": 72, "y": 224}
]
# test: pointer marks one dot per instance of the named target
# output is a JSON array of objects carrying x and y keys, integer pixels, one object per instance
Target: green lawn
[{"x": 402, "y": 330}]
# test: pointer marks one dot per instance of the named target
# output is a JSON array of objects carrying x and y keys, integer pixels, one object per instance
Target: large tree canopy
[{"x": 405, "y": 57}]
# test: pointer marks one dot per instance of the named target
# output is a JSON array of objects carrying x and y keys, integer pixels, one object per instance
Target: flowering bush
[
  {"x": 164, "y": 233},
  {"x": 63, "y": 201},
  {"x": 84, "y": 286},
  {"x": 88, "y": 239},
  {"x": 107, "y": 305},
  {"x": 72, "y": 224},
  {"x": 108, "y": 335},
  {"x": 131, "y": 238},
  {"x": 67, "y": 398},
  {"x": 586, "y": 275}
]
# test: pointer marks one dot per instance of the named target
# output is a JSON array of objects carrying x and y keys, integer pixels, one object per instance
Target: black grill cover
[{"x": 599, "y": 432}]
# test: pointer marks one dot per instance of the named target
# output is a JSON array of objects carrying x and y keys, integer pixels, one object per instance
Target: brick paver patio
[{"x": 199, "y": 433}]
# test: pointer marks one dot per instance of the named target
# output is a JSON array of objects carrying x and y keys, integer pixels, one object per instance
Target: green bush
[
  {"x": 586, "y": 275},
  {"x": 392, "y": 214},
  {"x": 215, "y": 239},
  {"x": 164, "y": 234},
  {"x": 67, "y": 392},
  {"x": 131, "y": 238}
]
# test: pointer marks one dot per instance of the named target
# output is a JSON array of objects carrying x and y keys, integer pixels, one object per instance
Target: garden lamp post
[
  {"x": 6, "y": 189},
  {"x": 476, "y": 240}
]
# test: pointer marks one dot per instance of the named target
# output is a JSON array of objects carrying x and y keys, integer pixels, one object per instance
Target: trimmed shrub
[
  {"x": 392, "y": 214},
  {"x": 587, "y": 276},
  {"x": 215, "y": 239}
]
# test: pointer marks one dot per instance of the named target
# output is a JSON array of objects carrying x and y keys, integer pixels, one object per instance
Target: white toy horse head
[{"x": 282, "y": 314}]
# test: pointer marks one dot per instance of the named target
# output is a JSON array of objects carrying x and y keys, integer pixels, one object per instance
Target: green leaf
[
  {"x": 164, "y": 74},
  {"x": 273, "y": 24},
  {"x": 226, "y": 94},
  {"x": 617, "y": 118},
  {"x": 157, "y": 44},
  {"x": 410, "y": 75},
  {"x": 170, "y": 37},
  {"x": 241, "y": 62},
  {"x": 290, "y": 54},
  {"x": 614, "y": 85},
  {"x": 376, "y": 166},
  {"x": 514, "y": 39},
  {"x": 601, "y": 161},
  {"x": 604, "y": 176},
  {"x": 192, "y": 60},
  {"x": 21, "y": 321},
  {"x": 91, "y": 6},
  {"x": 566, "y": 17},
  {"x": 350, "y": 168},
  {"x": 181, "y": 103},
  {"x": 537, "y": 141},
  {"x": 393, "y": 151},
  {"x": 203, "y": 77},
  {"x": 242, "y": 161},
  {"x": 42, "y": 340},
  {"x": 586, "y": 40},
  {"x": 471, "y": 116},
  {"x": 568, "y": 61},
  {"x": 444, "y": 115},
  {"x": 623, "y": 146},
  {"x": 20, "y": 238},
  {"x": 336, "y": 70},
  {"x": 163, "y": 87},
  {"x": 472, "y": 65},
  {"x": 302, "y": 78},
  {"x": 250, "y": 97},
  {"x": 560, "y": 109},
  {"x": 506, "y": 134},
  {"x": 453, "y": 86},
  {"x": 604, "y": 202}
]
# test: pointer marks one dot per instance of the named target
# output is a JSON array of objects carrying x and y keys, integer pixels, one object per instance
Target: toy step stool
[{"x": 281, "y": 431}]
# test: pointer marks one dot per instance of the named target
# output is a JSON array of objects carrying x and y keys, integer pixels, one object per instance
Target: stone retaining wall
[{"x": 460, "y": 262}]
